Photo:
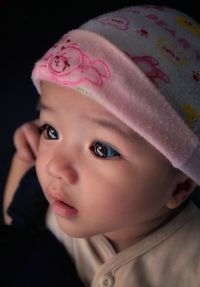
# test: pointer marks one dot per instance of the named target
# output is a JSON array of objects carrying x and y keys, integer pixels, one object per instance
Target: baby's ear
[{"x": 183, "y": 189}]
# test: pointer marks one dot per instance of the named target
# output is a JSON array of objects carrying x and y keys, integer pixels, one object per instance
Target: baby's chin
[{"x": 74, "y": 228}]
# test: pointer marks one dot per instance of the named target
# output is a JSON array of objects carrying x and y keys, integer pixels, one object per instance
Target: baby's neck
[{"x": 127, "y": 237}]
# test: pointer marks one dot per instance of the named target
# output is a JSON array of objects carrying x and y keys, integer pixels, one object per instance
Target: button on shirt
[{"x": 106, "y": 281}]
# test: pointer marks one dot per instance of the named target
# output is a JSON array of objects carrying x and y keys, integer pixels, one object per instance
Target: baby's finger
[
  {"x": 25, "y": 152},
  {"x": 33, "y": 137},
  {"x": 22, "y": 141}
]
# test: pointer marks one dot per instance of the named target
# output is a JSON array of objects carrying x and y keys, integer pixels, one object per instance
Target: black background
[{"x": 27, "y": 30}]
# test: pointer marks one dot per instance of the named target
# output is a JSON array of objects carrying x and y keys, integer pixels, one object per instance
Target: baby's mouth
[{"x": 63, "y": 209}]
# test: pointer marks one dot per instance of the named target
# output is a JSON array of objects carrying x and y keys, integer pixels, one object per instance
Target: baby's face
[{"x": 97, "y": 174}]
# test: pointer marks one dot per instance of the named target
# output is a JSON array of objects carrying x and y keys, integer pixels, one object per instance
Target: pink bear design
[
  {"x": 69, "y": 65},
  {"x": 149, "y": 66}
]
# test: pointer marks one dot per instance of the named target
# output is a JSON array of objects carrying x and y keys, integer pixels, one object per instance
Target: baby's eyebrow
[
  {"x": 42, "y": 106},
  {"x": 114, "y": 127},
  {"x": 105, "y": 123}
]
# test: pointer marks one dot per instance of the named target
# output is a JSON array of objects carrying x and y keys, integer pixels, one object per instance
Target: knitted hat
[{"x": 142, "y": 64}]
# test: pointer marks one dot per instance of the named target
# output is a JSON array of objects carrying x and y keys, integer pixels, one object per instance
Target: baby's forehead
[{"x": 96, "y": 112}]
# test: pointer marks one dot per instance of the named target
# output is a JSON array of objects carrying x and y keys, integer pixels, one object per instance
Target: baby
[{"x": 118, "y": 154}]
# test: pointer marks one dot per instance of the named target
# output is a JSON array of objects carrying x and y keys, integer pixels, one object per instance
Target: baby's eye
[
  {"x": 49, "y": 132},
  {"x": 103, "y": 150}
]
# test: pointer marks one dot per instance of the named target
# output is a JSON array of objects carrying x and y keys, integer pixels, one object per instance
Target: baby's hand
[{"x": 26, "y": 140}]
